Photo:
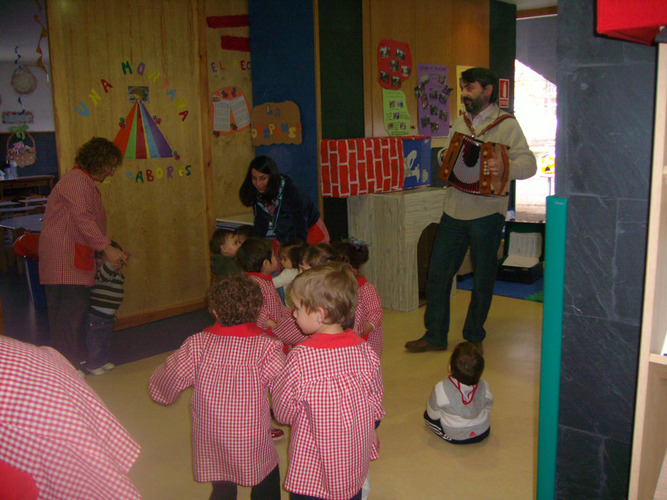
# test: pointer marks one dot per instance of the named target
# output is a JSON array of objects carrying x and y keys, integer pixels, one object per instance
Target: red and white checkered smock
[
  {"x": 231, "y": 370},
  {"x": 369, "y": 308},
  {"x": 272, "y": 307},
  {"x": 289, "y": 332},
  {"x": 74, "y": 227},
  {"x": 54, "y": 427},
  {"x": 330, "y": 392}
]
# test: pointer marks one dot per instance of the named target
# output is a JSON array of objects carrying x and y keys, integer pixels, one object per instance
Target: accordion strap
[{"x": 495, "y": 122}]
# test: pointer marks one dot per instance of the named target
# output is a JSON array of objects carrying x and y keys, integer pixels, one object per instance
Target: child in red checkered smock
[
  {"x": 57, "y": 438},
  {"x": 330, "y": 390},
  {"x": 256, "y": 258},
  {"x": 368, "y": 318},
  {"x": 231, "y": 367}
]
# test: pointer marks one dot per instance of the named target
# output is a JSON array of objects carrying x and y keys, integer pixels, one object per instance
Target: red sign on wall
[{"x": 504, "y": 93}]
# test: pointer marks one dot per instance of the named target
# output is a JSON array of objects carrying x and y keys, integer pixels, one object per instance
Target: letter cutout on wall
[{"x": 276, "y": 123}]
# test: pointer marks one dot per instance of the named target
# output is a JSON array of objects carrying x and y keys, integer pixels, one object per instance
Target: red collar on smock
[
  {"x": 361, "y": 281},
  {"x": 243, "y": 330},
  {"x": 333, "y": 340},
  {"x": 261, "y": 275},
  {"x": 77, "y": 167}
]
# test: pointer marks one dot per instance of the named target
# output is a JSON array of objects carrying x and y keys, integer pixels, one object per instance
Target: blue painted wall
[{"x": 283, "y": 69}]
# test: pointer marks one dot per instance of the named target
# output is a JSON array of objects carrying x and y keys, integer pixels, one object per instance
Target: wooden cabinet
[{"x": 650, "y": 433}]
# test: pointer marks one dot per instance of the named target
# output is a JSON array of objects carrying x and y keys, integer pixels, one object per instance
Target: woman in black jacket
[{"x": 281, "y": 210}]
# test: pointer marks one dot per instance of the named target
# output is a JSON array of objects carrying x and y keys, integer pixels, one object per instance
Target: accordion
[{"x": 464, "y": 166}]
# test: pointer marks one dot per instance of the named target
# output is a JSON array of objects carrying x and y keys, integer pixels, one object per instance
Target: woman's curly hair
[
  {"x": 235, "y": 299},
  {"x": 97, "y": 155}
]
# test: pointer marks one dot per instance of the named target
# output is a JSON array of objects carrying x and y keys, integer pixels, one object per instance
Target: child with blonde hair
[
  {"x": 231, "y": 367},
  {"x": 330, "y": 390}
]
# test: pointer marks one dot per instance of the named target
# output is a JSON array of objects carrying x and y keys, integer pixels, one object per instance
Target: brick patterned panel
[{"x": 352, "y": 167}]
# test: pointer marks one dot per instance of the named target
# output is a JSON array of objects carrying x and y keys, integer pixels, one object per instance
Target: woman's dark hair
[
  {"x": 252, "y": 253},
  {"x": 248, "y": 192},
  {"x": 97, "y": 155},
  {"x": 484, "y": 77},
  {"x": 355, "y": 252}
]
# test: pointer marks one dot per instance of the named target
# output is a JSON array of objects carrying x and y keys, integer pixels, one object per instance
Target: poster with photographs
[
  {"x": 396, "y": 116},
  {"x": 394, "y": 63},
  {"x": 432, "y": 92}
]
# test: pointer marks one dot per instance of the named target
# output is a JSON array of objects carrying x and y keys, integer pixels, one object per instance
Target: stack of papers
[{"x": 525, "y": 250}]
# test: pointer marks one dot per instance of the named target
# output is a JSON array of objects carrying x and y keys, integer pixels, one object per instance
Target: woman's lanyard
[{"x": 273, "y": 217}]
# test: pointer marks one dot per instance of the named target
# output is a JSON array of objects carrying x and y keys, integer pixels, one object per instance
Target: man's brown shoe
[{"x": 422, "y": 346}]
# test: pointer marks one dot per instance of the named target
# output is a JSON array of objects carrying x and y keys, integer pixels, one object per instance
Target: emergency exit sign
[{"x": 504, "y": 93}]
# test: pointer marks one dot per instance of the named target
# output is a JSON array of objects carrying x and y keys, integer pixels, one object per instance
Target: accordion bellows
[{"x": 464, "y": 166}]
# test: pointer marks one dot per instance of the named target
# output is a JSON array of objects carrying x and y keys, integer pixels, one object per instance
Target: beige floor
[{"x": 414, "y": 464}]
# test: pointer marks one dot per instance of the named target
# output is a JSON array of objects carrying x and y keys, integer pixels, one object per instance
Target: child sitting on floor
[
  {"x": 231, "y": 367},
  {"x": 368, "y": 318},
  {"x": 459, "y": 407},
  {"x": 223, "y": 246},
  {"x": 330, "y": 390}
]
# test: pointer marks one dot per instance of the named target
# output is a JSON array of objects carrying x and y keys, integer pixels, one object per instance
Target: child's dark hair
[
  {"x": 252, "y": 253},
  {"x": 235, "y": 299},
  {"x": 294, "y": 250},
  {"x": 245, "y": 231},
  {"x": 353, "y": 251},
  {"x": 218, "y": 239},
  {"x": 318, "y": 254},
  {"x": 467, "y": 363}
]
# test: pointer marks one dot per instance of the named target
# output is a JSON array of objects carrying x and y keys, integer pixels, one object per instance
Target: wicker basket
[{"x": 21, "y": 154}]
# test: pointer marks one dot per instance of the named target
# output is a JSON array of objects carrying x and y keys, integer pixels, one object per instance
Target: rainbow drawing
[{"x": 139, "y": 136}]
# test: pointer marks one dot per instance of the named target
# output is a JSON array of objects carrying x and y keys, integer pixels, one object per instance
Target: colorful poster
[
  {"x": 276, "y": 123},
  {"x": 394, "y": 63},
  {"x": 396, "y": 116},
  {"x": 460, "y": 108},
  {"x": 432, "y": 94},
  {"x": 229, "y": 111}
]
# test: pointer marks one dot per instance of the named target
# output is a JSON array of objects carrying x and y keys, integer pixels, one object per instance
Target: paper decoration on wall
[
  {"x": 16, "y": 117},
  {"x": 139, "y": 136},
  {"x": 460, "y": 108},
  {"x": 432, "y": 94},
  {"x": 238, "y": 43},
  {"x": 395, "y": 109},
  {"x": 394, "y": 63},
  {"x": 352, "y": 167},
  {"x": 276, "y": 123},
  {"x": 229, "y": 111},
  {"x": 19, "y": 152},
  {"x": 43, "y": 33}
]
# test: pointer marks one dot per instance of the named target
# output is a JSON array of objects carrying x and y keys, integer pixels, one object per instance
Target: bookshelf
[{"x": 650, "y": 431}]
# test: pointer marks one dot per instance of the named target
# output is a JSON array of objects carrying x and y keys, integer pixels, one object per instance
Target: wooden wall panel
[
  {"x": 156, "y": 207},
  {"x": 446, "y": 32},
  {"x": 231, "y": 153}
]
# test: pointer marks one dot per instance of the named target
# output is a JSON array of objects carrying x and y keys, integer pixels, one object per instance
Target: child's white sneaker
[
  {"x": 96, "y": 371},
  {"x": 108, "y": 367}
]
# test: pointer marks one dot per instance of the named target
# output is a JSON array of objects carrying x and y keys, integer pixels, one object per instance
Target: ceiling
[{"x": 22, "y": 30}]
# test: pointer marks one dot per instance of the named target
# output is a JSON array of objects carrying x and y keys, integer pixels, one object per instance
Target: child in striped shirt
[{"x": 106, "y": 296}]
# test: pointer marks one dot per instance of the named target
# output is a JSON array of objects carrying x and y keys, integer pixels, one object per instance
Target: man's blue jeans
[{"x": 452, "y": 240}]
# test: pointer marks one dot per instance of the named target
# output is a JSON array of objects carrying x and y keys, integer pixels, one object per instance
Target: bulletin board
[
  {"x": 138, "y": 82},
  {"x": 229, "y": 70}
]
